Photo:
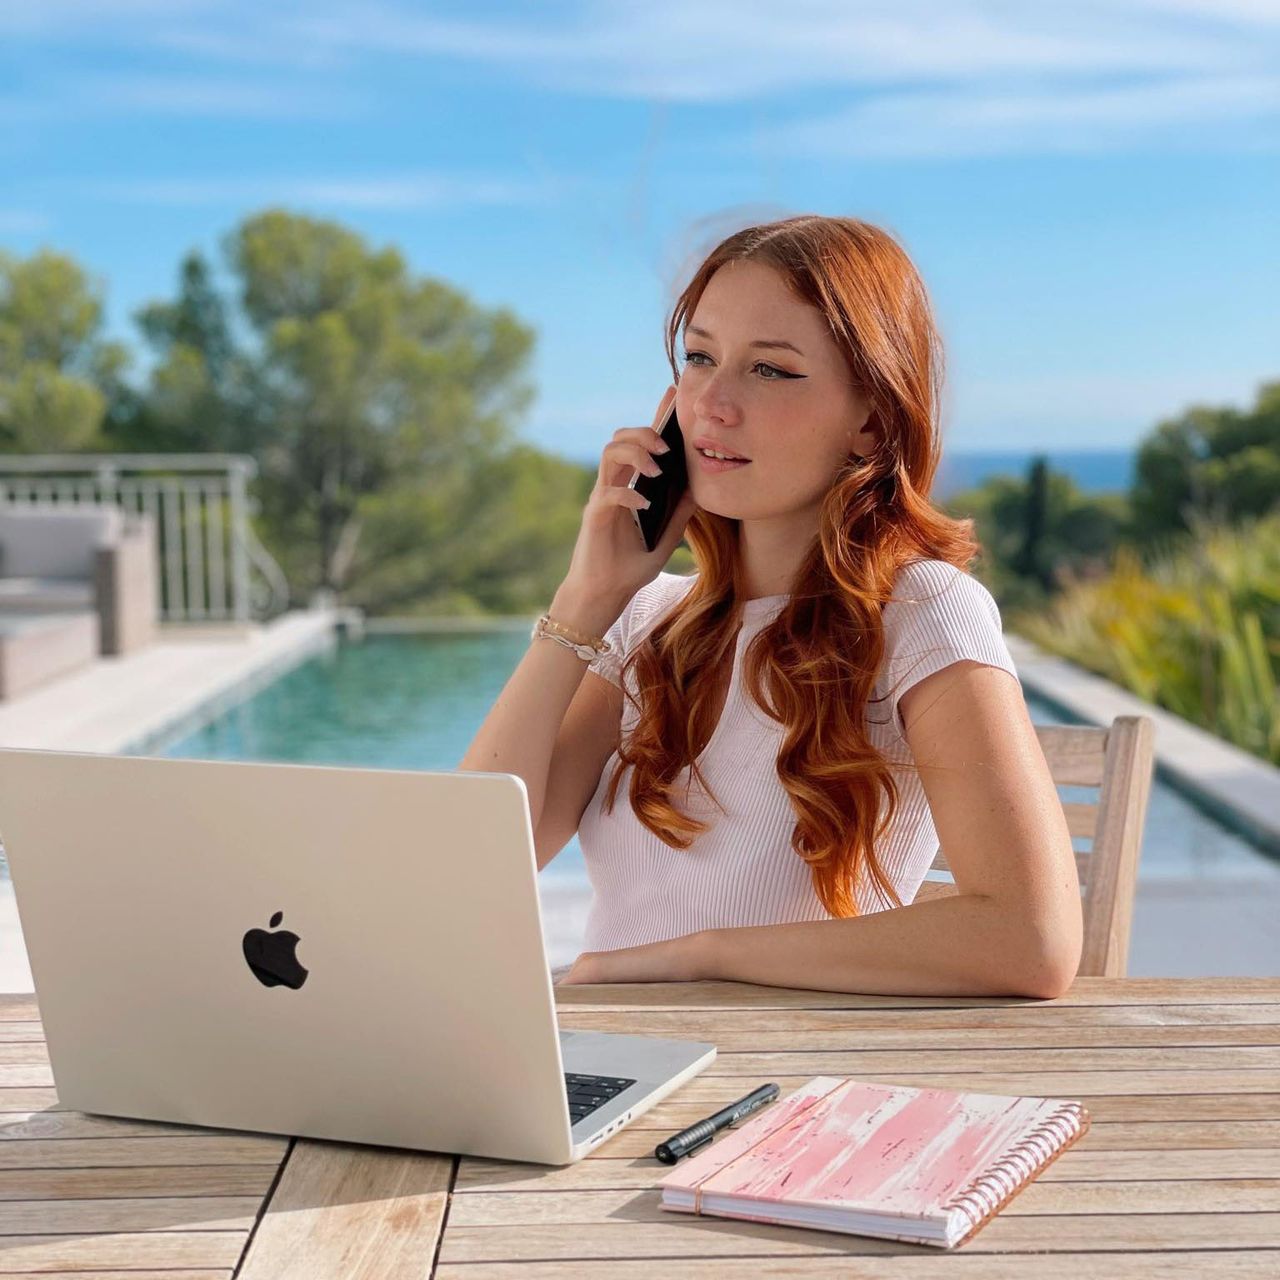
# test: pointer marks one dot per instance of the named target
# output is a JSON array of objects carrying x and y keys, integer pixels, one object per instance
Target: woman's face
[{"x": 793, "y": 411}]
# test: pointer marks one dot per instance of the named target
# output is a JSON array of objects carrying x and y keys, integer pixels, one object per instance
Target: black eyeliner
[{"x": 782, "y": 373}]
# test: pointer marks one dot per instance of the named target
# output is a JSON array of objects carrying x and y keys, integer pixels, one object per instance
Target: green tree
[
  {"x": 56, "y": 370},
  {"x": 1208, "y": 463},
  {"x": 1038, "y": 531},
  {"x": 377, "y": 402},
  {"x": 494, "y": 539},
  {"x": 201, "y": 395},
  {"x": 1030, "y": 560},
  {"x": 372, "y": 379}
]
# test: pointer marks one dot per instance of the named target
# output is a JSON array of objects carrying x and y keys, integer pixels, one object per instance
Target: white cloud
[
  {"x": 403, "y": 191},
  {"x": 692, "y": 50},
  {"x": 967, "y": 122},
  {"x": 923, "y": 76},
  {"x": 730, "y": 50}
]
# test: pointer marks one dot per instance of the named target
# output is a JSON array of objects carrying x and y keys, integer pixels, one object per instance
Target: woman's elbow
[
  {"x": 1045, "y": 981},
  {"x": 1050, "y": 965},
  {"x": 1050, "y": 958}
]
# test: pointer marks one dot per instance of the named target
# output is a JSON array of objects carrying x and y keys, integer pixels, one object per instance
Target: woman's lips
[{"x": 719, "y": 464}]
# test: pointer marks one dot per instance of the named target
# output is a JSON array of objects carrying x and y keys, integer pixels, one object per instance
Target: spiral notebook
[{"x": 927, "y": 1166}]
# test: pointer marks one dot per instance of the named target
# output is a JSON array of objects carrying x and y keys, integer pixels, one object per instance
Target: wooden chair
[{"x": 1119, "y": 762}]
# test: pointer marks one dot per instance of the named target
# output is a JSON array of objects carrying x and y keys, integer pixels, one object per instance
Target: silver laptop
[{"x": 351, "y": 954}]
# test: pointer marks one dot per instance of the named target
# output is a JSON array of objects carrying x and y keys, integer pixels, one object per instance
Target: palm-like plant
[{"x": 1195, "y": 629}]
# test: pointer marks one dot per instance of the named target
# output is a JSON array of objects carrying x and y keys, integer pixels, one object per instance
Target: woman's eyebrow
[{"x": 764, "y": 342}]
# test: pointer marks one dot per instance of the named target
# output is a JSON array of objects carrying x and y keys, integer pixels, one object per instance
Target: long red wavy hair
[{"x": 814, "y": 666}]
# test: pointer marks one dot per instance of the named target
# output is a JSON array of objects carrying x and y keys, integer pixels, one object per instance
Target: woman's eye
[{"x": 691, "y": 357}]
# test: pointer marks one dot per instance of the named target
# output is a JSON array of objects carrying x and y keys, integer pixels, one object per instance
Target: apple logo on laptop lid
[{"x": 272, "y": 956}]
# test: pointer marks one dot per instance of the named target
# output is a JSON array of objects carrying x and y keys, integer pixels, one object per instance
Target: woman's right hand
[{"x": 610, "y": 562}]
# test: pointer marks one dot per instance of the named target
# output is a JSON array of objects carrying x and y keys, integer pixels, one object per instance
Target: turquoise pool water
[{"x": 415, "y": 702}]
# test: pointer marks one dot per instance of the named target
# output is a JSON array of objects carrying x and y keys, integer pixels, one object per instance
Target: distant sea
[{"x": 1093, "y": 470}]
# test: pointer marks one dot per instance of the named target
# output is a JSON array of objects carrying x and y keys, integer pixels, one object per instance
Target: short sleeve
[
  {"x": 643, "y": 611},
  {"x": 609, "y": 665},
  {"x": 938, "y": 615}
]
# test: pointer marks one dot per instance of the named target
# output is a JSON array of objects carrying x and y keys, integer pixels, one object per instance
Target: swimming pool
[{"x": 416, "y": 701}]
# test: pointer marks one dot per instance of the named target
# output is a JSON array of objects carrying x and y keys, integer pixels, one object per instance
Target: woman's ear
[{"x": 865, "y": 436}]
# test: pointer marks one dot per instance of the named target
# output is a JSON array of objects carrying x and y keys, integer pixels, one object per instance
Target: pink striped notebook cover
[{"x": 929, "y": 1166}]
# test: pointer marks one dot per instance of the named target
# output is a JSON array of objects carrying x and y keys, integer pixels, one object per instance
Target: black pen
[{"x": 687, "y": 1141}]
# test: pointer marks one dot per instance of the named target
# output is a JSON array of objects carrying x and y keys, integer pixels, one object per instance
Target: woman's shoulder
[
  {"x": 939, "y": 614},
  {"x": 662, "y": 590},
  {"x": 928, "y": 573},
  {"x": 670, "y": 586},
  {"x": 928, "y": 578},
  {"x": 937, "y": 589},
  {"x": 651, "y": 603}
]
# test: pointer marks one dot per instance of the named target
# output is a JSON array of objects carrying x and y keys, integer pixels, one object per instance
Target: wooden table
[{"x": 1179, "y": 1176}]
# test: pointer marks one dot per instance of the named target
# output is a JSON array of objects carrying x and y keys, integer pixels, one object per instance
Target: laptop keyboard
[{"x": 586, "y": 1093}]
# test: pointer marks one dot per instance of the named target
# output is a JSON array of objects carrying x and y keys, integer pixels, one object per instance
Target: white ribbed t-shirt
[{"x": 742, "y": 870}]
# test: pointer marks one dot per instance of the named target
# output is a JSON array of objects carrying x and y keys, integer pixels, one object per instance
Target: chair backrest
[
  {"x": 1118, "y": 761},
  {"x": 55, "y": 540}
]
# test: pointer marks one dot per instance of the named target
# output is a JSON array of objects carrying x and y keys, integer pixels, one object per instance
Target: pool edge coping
[{"x": 287, "y": 642}]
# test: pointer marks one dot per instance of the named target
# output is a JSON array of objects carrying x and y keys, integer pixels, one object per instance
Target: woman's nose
[{"x": 715, "y": 399}]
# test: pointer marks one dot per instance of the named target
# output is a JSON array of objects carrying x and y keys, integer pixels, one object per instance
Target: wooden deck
[{"x": 1179, "y": 1175}]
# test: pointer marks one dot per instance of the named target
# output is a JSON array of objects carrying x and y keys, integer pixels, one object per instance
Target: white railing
[{"x": 212, "y": 566}]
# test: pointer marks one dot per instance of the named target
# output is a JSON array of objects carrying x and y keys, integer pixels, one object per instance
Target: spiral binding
[{"x": 982, "y": 1198}]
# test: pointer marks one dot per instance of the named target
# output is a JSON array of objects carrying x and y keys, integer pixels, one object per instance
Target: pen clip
[{"x": 699, "y": 1145}]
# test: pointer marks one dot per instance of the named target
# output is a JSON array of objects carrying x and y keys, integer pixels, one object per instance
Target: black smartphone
[{"x": 663, "y": 491}]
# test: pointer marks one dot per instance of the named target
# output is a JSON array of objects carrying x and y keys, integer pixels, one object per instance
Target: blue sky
[{"x": 1090, "y": 190}]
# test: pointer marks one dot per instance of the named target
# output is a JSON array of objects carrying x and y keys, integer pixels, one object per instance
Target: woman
[{"x": 802, "y": 721}]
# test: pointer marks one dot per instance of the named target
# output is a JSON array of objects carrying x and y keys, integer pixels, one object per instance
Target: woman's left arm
[{"x": 1013, "y": 928}]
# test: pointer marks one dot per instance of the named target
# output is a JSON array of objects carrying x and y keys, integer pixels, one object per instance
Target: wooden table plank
[
  {"x": 16, "y": 1126},
  {"x": 150, "y": 1213},
  {"x": 680, "y": 1110},
  {"x": 20, "y": 1007},
  {"x": 126, "y": 1251},
  {"x": 1181, "y": 1080},
  {"x": 1052, "y": 1084},
  {"x": 722, "y": 1238},
  {"x": 1074, "y": 1166},
  {"x": 131, "y": 1274},
  {"x": 864, "y": 1062},
  {"x": 70, "y": 1153},
  {"x": 856, "y": 1037},
  {"x": 698, "y": 1098},
  {"x": 29, "y": 1100},
  {"x": 98, "y": 1196},
  {"x": 511, "y": 1209},
  {"x": 638, "y": 1140},
  {"x": 357, "y": 1212},
  {"x": 175, "y": 1180},
  {"x": 1173, "y": 1265},
  {"x": 1179, "y": 1175},
  {"x": 1034, "y": 1017},
  {"x": 1084, "y": 993}
]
